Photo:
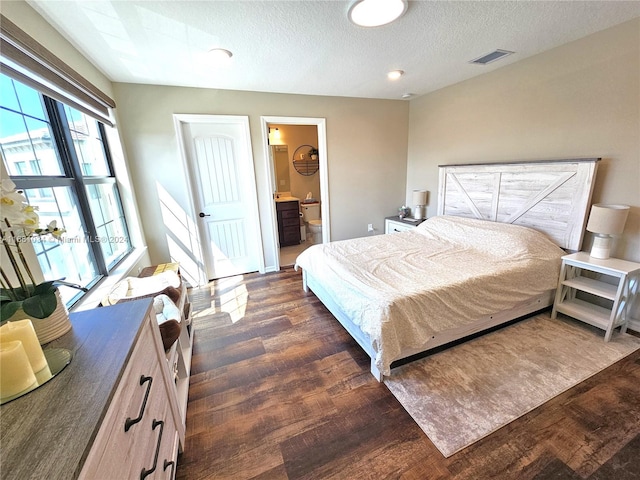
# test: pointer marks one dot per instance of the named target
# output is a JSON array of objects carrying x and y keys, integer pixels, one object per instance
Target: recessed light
[
  {"x": 375, "y": 13},
  {"x": 219, "y": 56},
  {"x": 395, "y": 74},
  {"x": 407, "y": 95}
]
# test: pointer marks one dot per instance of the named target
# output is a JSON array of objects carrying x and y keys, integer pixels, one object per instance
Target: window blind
[{"x": 24, "y": 59}]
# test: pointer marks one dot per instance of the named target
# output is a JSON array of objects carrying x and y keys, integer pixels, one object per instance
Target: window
[{"x": 58, "y": 156}]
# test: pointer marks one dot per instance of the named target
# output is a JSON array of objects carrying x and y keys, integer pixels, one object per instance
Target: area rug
[{"x": 462, "y": 394}]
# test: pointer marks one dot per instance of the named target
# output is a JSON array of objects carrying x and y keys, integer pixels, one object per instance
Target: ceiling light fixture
[
  {"x": 274, "y": 136},
  {"x": 395, "y": 74},
  {"x": 375, "y": 13},
  {"x": 219, "y": 56}
]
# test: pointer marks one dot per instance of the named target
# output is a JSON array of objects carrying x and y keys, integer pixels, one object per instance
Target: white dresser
[{"x": 111, "y": 413}]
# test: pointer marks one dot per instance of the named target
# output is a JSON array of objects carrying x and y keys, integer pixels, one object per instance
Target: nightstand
[
  {"x": 625, "y": 277},
  {"x": 397, "y": 224}
]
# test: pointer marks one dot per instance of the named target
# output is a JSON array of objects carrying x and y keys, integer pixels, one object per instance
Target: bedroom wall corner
[
  {"x": 578, "y": 100},
  {"x": 366, "y": 143},
  {"x": 30, "y": 21}
]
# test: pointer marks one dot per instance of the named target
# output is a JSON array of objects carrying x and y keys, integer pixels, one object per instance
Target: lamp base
[
  {"x": 601, "y": 247},
  {"x": 418, "y": 212}
]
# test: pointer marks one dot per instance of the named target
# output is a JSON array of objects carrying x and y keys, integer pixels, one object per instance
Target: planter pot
[{"x": 51, "y": 327}]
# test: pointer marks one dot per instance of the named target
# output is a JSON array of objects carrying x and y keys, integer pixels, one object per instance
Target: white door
[{"x": 221, "y": 167}]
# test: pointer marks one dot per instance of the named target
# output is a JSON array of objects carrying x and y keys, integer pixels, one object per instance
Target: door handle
[{"x": 202, "y": 215}]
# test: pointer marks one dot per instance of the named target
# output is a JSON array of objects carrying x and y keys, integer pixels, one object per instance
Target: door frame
[
  {"x": 321, "y": 127},
  {"x": 180, "y": 119}
]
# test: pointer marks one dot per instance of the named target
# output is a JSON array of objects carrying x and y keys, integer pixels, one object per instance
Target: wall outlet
[{"x": 370, "y": 227}]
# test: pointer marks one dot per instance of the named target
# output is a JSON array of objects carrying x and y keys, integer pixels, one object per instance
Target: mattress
[{"x": 401, "y": 288}]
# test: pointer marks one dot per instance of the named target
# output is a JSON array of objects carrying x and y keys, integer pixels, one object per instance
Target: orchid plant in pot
[{"x": 20, "y": 294}]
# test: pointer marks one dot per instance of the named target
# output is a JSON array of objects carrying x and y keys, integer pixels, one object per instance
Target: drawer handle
[
  {"x": 146, "y": 472},
  {"x": 128, "y": 423},
  {"x": 168, "y": 463}
]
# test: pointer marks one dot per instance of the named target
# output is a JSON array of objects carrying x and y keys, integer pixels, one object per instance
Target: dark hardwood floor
[{"x": 280, "y": 391}]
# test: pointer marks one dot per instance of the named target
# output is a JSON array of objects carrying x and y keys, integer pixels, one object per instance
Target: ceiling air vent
[{"x": 491, "y": 57}]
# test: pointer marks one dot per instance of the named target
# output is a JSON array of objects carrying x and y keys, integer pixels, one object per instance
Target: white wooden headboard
[{"x": 552, "y": 196}]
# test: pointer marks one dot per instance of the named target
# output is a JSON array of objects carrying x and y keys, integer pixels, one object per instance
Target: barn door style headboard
[{"x": 552, "y": 196}]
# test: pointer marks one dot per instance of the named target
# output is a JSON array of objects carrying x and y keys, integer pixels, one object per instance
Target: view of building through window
[{"x": 58, "y": 157}]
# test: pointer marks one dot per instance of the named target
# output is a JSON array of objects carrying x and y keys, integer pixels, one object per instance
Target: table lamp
[
  {"x": 419, "y": 202},
  {"x": 605, "y": 221}
]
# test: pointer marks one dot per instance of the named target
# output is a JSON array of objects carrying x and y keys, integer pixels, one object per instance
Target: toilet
[{"x": 311, "y": 217}]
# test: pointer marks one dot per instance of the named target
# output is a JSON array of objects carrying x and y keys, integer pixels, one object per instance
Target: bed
[{"x": 491, "y": 255}]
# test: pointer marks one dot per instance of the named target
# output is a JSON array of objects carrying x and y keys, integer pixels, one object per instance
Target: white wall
[
  {"x": 366, "y": 142},
  {"x": 20, "y": 13},
  {"x": 578, "y": 100}
]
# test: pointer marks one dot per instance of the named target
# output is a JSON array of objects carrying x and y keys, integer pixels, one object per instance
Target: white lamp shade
[
  {"x": 607, "y": 219},
  {"x": 419, "y": 197}
]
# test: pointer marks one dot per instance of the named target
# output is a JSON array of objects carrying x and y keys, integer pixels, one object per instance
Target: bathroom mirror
[
  {"x": 305, "y": 160},
  {"x": 280, "y": 155}
]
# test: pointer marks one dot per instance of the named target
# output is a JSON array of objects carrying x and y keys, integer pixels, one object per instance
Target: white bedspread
[{"x": 403, "y": 287}]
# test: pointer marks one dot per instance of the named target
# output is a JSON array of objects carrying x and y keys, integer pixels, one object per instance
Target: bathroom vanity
[{"x": 288, "y": 211}]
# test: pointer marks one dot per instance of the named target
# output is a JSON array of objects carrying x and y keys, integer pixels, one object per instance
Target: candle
[
  {"x": 16, "y": 374},
  {"x": 23, "y": 331}
]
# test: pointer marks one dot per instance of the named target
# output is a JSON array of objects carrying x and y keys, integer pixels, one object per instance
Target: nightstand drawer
[{"x": 396, "y": 225}]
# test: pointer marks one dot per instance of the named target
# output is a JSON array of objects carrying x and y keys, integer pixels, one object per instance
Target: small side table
[
  {"x": 397, "y": 224},
  {"x": 621, "y": 293},
  {"x": 162, "y": 267}
]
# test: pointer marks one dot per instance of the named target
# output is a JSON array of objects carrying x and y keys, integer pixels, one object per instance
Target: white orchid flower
[{"x": 15, "y": 210}]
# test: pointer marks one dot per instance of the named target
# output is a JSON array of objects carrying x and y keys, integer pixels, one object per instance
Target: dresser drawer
[
  {"x": 138, "y": 418},
  {"x": 168, "y": 452},
  {"x": 160, "y": 461},
  {"x": 282, "y": 206},
  {"x": 289, "y": 214},
  {"x": 291, "y": 222}
]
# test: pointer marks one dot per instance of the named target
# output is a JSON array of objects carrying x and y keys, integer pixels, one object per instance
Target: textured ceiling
[{"x": 310, "y": 47}]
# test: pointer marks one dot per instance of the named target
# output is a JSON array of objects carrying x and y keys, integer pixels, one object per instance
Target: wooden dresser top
[{"x": 49, "y": 432}]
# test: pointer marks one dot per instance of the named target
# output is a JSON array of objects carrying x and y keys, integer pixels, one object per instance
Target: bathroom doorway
[{"x": 303, "y": 179}]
